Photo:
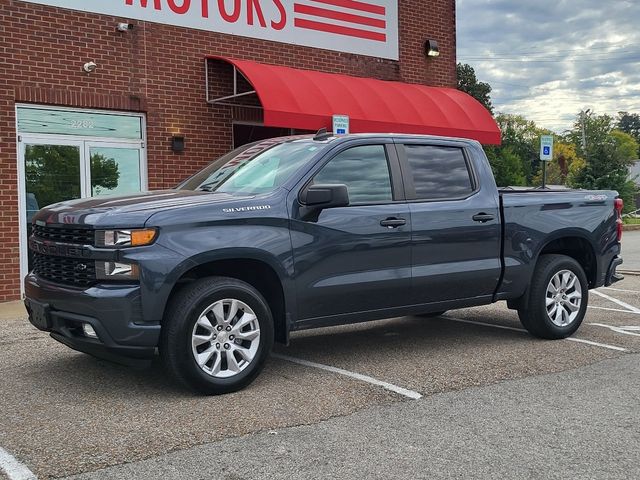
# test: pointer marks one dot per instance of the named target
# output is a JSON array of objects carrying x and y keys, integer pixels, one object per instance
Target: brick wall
[{"x": 158, "y": 69}]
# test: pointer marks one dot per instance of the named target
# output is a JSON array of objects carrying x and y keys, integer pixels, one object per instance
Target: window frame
[
  {"x": 393, "y": 165},
  {"x": 407, "y": 173}
]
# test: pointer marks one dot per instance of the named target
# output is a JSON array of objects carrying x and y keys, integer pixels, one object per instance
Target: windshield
[{"x": 252, "y": 169}]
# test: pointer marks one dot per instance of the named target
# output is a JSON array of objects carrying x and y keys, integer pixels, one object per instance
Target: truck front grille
[
  {"x": 64, "y": 234},
  {"x": 64, "y": 270}
]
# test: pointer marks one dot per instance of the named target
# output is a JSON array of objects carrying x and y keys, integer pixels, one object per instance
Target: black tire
[
  {"x": 178, "y": 326},
  {"x": 535, "y": 317},
  {"x": 432, "y": 314}
]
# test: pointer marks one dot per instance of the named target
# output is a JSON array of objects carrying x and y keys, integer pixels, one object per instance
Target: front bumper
[{"x": 114, "y": 312}]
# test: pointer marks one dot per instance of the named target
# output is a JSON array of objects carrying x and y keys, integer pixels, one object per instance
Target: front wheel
[
  {"x": 558, "y": 297},
  {"x": 216, "y": 335}
]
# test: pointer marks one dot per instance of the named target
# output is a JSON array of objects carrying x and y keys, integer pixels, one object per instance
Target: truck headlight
[
  {"x": 126, "y": 237},
  {"x": 117, "y": 271}
]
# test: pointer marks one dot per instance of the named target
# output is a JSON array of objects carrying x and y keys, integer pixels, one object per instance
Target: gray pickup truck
[{"x": 303, "y": 232}]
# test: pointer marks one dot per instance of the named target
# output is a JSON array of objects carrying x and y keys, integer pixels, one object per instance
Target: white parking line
[
  {"x": 572, "y": 339},
  {"x": 619, "y": 290},
  {"x": 613, "y": 309},
  {"x": 13, "y": 468},
  {"x": 597, "y": 344},
  {"x": 357, "y": 376},
  {"x": 629, "y": 330},
  {"x": 631, "y": 308}
]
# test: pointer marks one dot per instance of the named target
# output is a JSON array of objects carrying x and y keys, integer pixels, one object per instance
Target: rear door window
[{"x": 439, "y": 172}]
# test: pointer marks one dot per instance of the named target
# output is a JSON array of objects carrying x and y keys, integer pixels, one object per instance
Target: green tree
[
  {"x": 506, "y": 166},
  {"x": 629, "y": 123},
  {"x": 608, "y": 154},
  {"x": 522, "y": 137},
  {"x": 53, "y": 173},
  {"x": 468, "y": 83},
  {"x": 566, "y": 164},
  {"x": 626, "y": 147}
]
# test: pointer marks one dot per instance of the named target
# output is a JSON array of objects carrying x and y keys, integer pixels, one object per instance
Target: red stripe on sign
[
  {"x": 355, "y": 5},
  {"x": 346, "y": 17},
  {"x": 348, "y": 31}
]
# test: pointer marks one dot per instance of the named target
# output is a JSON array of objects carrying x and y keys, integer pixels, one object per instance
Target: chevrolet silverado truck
[{"x": 310, "y": 231}]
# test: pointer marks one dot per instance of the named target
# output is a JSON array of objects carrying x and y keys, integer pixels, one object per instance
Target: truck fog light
[
  {"x": 89, "y": 331},
  {"x": 116, "y": 271}
]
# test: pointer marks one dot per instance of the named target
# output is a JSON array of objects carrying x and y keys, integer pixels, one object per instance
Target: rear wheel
[
  {"x": 216, "y": 335},
  {"x": 558, "y": 297}
]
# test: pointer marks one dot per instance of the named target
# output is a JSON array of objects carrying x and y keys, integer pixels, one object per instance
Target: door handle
[
  {"x": 393, "y": 222},
  {"x": 482, "y": 217}
]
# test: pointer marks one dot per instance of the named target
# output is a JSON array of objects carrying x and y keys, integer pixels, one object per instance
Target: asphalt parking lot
[{"x": 64, "y": 413}]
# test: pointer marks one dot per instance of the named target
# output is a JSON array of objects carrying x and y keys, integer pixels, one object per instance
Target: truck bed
[{"x": 532, "y": 218}]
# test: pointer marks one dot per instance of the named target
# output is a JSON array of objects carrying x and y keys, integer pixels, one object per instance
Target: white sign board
[
  {"x": 546, "y": 148},
  {"x": 340, "y": 125},
  {"x": 366, "y": 27}
]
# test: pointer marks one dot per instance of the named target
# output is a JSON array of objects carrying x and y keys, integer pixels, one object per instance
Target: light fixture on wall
[
  {"x": 177, "y": 143},
  {"x": 90, "y": 67},
  {"x": 124, "y": 27},
  {"x": 431, "y": 48}
]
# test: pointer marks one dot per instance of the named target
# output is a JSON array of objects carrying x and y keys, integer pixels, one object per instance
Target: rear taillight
[{"x": 618, "y": 205}]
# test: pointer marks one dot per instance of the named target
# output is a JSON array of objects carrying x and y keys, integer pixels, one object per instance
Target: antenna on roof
[{"x": 322, "y": 134}]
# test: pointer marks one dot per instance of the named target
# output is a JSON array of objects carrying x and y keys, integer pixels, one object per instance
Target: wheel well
[
  {"x": 580, "y": 250},
  {"x": 254, "y": 272}
]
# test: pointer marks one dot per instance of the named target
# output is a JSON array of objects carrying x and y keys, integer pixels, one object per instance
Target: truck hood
[{"x": 126, "y": 210}]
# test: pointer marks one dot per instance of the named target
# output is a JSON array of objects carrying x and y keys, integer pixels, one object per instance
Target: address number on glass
[{"x": 82, "y": 124}]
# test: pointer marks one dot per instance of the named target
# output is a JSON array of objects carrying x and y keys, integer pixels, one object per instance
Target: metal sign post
[{"x": 546, "y": 155}]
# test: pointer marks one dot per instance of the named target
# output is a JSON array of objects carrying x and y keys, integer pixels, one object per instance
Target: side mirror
[{"x": 319, "y": 197}]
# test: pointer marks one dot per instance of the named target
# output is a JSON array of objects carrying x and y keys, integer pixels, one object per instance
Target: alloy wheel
[
  {"x": 563, "y": 298},
  {"x": 225, "y": 338}
]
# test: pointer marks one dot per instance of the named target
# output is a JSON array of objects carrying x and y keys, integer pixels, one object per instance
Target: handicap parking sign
[
  {"x": 546, "y": 148},
  {"x": 340, "y": 124}
]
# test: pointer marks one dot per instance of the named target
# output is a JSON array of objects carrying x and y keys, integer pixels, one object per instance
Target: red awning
[{"x": 307, "y": 99}]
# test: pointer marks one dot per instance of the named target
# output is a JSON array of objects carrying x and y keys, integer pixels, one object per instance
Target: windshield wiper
[{"x": 208, "y": 187}]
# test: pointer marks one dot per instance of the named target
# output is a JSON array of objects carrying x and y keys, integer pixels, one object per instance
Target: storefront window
[
  {"x": 83, "y": 124},
  {"x": 114, "y": 170}
]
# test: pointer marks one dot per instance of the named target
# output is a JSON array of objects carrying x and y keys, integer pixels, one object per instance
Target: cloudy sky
[{"x": 548, "y": 59}]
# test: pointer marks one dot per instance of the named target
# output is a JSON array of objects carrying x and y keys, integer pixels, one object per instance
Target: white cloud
[{"x": 549, "y": 59}]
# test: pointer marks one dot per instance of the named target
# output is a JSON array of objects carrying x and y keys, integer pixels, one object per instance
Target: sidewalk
[
  {"x": 12, "y": 310},
  {"x": 631, "y": 251}
]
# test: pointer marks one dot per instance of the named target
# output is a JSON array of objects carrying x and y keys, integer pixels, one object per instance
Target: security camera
[
  {"x": 124, "y": 27},
  {"x": 90, "y": 67}
]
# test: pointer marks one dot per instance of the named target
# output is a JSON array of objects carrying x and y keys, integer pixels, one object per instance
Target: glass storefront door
[
  {"x": 114, "y": 170},
  {"x": 67, "y": 154},
  {"x": 52, "y": 174}
]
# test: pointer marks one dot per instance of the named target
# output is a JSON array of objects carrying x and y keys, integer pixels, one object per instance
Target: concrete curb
[
  {"x": 630, "y": 228},
  {"x": 629, "y": 272}
]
